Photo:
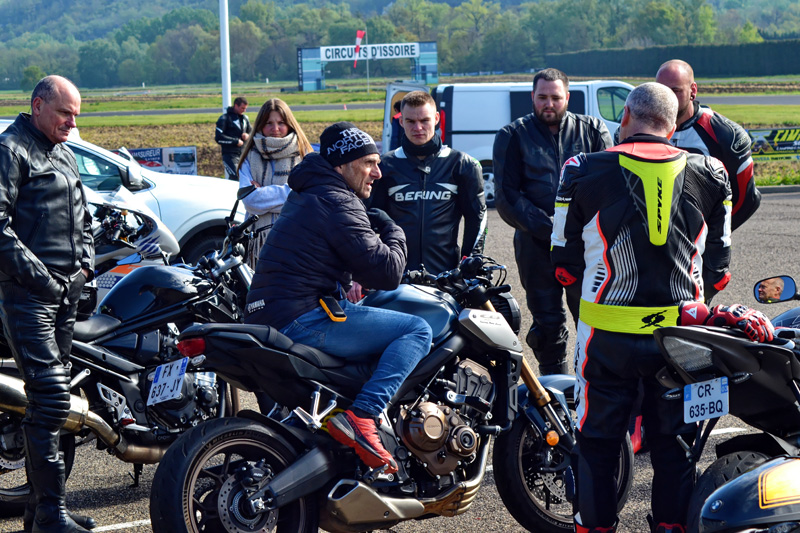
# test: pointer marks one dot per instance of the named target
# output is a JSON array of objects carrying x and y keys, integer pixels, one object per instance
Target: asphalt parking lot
[{"x": 763, "y": 247}]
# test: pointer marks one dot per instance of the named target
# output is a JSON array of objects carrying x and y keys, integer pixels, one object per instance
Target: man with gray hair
[
  {"x": 640, "y": 231},
  {"x": 46, "y": 256}
]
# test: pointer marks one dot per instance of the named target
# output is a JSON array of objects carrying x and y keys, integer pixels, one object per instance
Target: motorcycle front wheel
[
  {"x": 541, "y": 501},
  {"x": 198, "y": 486}
]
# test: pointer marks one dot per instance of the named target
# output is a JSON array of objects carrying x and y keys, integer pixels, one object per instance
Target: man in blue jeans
[{"x": 322, "y": 241}]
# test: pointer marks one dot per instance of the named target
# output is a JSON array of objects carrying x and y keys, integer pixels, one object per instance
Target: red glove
[{"x": 754, "y": 323}]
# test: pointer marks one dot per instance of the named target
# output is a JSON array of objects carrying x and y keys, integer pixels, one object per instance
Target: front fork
[{"x": 539, "y": 396}]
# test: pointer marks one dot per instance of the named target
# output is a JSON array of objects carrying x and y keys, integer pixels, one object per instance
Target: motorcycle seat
[
  {"x": 270, "y": 338},
  {"x": 94, "y": 327},
  {"x": 275, "y": 339}
]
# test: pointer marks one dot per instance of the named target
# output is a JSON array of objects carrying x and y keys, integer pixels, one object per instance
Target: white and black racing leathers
[{"x": 428, "y": 198}]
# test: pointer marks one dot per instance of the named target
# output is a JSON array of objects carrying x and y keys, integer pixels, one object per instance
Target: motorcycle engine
[
  {"x": 440, "y": 436},
  {"x": 197, "y": 402}
]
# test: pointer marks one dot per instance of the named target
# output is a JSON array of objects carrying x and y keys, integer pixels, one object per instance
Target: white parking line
[{"x": 126, "y": 525}]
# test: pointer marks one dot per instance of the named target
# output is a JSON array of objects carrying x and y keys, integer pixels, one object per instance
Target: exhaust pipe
[{"x": 14, "y": 400}]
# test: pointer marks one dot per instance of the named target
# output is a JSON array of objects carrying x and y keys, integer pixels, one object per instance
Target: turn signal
[
  {"x": 551, "y": 438},
  {"x": 191, "y": 347}
]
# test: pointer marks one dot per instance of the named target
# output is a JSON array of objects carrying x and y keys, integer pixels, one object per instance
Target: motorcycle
[
  {"x": 132, "y": 391},
  {"x": 256, "y": 473},
  {"x": 127, "y": 235},
  {"x": 719, "y": 371}
]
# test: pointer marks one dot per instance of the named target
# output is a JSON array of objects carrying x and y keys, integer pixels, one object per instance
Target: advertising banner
[
  {"x": 775, "y": 144},
  {"x": 369, "y": 51},
  {"x": 172, "y": 160}
]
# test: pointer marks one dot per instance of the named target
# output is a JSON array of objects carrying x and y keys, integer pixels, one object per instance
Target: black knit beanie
[{"x": 343, "y": 142}]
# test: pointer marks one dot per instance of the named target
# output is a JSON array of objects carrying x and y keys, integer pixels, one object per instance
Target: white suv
[{"x": 192, "y": 207}]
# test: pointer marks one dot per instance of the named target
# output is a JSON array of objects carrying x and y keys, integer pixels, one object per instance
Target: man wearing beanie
[{"x": 322, "y": 241}]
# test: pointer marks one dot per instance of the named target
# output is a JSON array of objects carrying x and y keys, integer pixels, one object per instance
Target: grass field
[{"x": 144, "y": 131}]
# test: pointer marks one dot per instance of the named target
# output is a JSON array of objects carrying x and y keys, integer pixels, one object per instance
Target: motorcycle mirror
[
  {"x": 776, "y": 289},
  {"x": 243, "y": 192}
]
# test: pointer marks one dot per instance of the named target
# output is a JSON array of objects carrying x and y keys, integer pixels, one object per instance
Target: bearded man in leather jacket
[
  {"x": 427, "y": 188},
  {"x": 232, "y": 131},
  {"x": 528, "y": 156},
  {"x": 46, "y": 256}
]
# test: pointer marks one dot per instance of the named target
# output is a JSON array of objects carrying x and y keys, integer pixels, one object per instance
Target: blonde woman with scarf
[{"x": 277, "y": 145}]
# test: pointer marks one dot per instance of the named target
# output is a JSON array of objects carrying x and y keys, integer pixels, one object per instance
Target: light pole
[{"x": 225, "y": 54}]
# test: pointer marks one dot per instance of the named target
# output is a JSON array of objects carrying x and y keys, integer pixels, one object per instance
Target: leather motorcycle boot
[
  {"x": 669, "y": 528},
  {"x": 554, "y": 368},
  {"x": 361, "y": 434},
  {"x": 51, "y": 514},
  {"x": 86, "y": 522},
  {"x": 583, "y": 529}
]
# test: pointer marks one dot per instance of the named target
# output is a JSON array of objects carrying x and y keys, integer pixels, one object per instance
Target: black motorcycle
[
  {"x": 254, "y": 473},
  {"x": 132, "y": 390},
  {"x": 719, "y": 371}
]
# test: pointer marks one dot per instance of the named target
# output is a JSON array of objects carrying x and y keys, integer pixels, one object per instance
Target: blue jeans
[{"x": 401, "y": 340}]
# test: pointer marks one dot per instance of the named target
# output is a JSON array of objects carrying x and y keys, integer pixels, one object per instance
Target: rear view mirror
[{"x": 775, "y": 289}]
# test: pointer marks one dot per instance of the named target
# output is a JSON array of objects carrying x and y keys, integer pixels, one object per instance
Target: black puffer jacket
[
  {"x": 527, "y": 161},
  {"x": 321, "y": 241},
  {"x": 45, "y": 226}
]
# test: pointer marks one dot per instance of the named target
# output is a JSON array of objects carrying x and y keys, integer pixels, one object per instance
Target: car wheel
[
  {"x": 488, "y": 184},
  {"x": 199, "y": 246}
]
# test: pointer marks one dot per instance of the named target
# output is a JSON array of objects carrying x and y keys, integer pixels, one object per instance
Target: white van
[{"x": 470, "y": 114}]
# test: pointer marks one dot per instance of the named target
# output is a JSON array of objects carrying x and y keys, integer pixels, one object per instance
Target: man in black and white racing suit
[
  {"x": 638, "y": 229},
  {"x": 427, "y": 188},
  {"x": 703, "y": 131}
]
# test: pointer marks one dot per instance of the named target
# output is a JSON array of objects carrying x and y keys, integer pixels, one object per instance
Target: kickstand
[{"x": 137, "y": 473}]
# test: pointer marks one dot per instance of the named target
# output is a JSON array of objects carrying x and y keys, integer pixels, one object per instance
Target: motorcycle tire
[
  {"x": 721, "y": 471},
  {"x": 197, "y": 486},
  {"x": 539, "y": 501}
]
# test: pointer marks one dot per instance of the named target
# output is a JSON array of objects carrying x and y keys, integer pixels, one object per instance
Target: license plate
[
  {"x": 704, "y": 400},
  {"x": 168, "y": 382}
]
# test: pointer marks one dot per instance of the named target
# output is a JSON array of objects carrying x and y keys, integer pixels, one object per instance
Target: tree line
[{"x": 182, "y": 45}]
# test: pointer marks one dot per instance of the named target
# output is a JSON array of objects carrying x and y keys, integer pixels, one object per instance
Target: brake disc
[{"x": 229, "y": 506}]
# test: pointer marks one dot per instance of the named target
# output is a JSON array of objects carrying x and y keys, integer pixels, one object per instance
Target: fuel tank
[
  {"x": 149, "y": 289},
  {"x": 437, "y": 308}
]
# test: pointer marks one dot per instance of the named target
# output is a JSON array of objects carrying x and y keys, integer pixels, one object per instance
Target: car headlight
[{"x": 689, "y": 355}]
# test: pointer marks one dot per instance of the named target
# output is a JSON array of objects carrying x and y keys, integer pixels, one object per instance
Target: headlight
[{"x": 690, "y": 356}]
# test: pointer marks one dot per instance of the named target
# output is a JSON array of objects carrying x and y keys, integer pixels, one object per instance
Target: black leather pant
[
  {"x": 230, "y": 161},
  {"x": 39, "y": 332},
  {"x": 544, "y": 295}
]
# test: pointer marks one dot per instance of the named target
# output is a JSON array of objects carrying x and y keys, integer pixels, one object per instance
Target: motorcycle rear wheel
[
  {"x": 537, "y": 500},
  {"x": 724, "y": 469},
  {"x": 197, "y": 485}
]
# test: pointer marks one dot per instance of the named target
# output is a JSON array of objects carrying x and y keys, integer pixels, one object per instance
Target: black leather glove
[{"x": 379, "y": 220}]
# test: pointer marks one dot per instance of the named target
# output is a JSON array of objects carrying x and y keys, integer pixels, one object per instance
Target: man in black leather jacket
[
  {"x": 427, "y": 188},
  {"x": 46, "y": 256},
  {"x": 528, "y": 156},
  {"x": 232, "y": 131}
]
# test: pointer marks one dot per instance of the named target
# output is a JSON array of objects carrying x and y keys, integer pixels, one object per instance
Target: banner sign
[
  {"x": 369, "y": 51},
  {"x": 172, "y": 160},
  {"x": 775, "y": 144}
]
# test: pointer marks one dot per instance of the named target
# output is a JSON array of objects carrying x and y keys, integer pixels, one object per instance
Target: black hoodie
[{"x": 321, "y": 241}]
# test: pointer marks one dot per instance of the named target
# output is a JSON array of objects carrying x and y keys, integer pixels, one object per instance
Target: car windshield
[{"x": 97, "y": 173}]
